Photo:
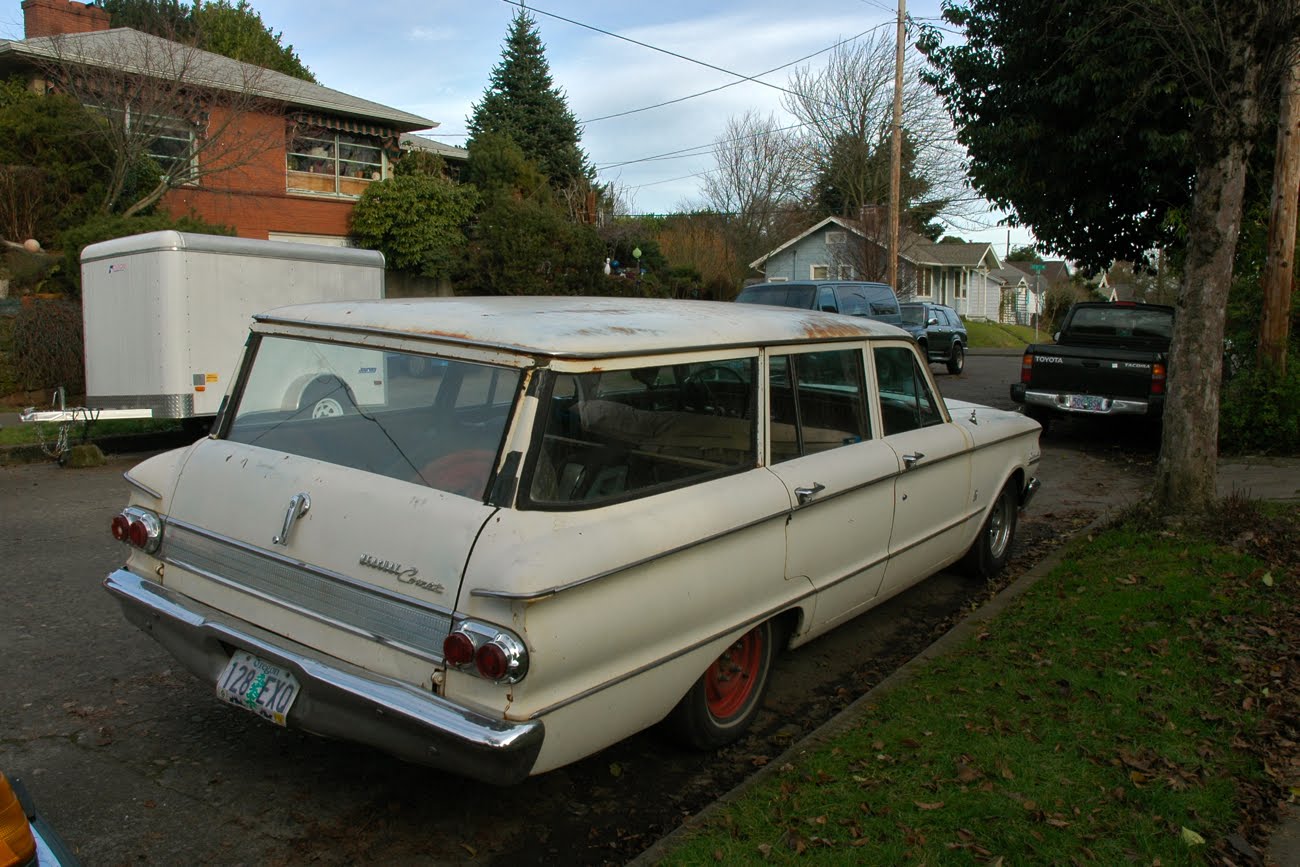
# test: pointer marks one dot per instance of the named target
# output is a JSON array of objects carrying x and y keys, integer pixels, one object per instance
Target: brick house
[{"x": 320, "y": 148}]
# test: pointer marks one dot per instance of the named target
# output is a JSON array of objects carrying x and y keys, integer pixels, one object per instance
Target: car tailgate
[
  {"x": 373, "y": 556},
  {"x": 1091, "y": 370}
]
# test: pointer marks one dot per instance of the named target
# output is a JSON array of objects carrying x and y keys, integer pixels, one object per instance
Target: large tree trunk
[{"x": 1189, "y": 448}]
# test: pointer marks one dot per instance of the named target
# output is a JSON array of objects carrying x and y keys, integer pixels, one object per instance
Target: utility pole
[
  {"x": 896, "y": 150},
  {"x": 1279, "y": 271}
]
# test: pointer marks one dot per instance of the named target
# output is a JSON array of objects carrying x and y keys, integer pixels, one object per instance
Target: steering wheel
[{"x": 696, "y": 391}]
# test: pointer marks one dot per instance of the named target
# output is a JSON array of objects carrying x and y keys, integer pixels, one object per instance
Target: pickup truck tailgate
[{"x": 1092, "y": 370}]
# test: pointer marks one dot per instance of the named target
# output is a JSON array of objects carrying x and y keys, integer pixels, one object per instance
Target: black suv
[
  {"x": 939, "y": 332},
  {"x": 852, "y": 297}
]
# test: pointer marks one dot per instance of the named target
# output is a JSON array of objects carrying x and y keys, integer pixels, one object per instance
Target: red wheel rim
[{"x": 731, "y": 680}]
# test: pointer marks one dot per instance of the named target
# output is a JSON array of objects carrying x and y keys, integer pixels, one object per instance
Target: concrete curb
[{"x": 852, "y": 715}]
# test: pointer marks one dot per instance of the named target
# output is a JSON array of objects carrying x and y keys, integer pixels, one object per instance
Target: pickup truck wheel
[
  {"x": 992, "y": 547},
  {"x": 956, "y": 359},
  {"x": 724, "y": 701}
]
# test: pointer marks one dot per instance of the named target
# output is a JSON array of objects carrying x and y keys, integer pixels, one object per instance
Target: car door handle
[
  {"x": 805, "y": 495},
  {"x": 298, "y": 506},
  {"x": 910, "y": 461}
]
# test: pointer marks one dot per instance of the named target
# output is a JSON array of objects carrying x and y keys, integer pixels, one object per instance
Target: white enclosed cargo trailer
[{"x": 166, "y": 313}]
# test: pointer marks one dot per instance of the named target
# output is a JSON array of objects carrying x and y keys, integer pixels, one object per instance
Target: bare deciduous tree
[
  {"x": 161, "y": 100},
  {"x": 846, "y": 111},
  {"x": 757, "y": 176}
]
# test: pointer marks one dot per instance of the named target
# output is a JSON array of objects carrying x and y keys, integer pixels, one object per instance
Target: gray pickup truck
[{"x": 1109, "y": 359}]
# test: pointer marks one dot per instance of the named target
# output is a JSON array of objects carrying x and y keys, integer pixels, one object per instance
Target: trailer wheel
[{"x": 327, "y": 396}]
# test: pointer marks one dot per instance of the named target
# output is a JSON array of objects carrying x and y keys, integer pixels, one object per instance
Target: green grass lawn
[
  {"x": 36, "y": 432},
  {"x": 993, "y": 335},
  {"x": 1112, "y": 714}
]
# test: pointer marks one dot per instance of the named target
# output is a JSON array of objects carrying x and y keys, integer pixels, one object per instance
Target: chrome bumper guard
[{"x": 336, "y": 699}]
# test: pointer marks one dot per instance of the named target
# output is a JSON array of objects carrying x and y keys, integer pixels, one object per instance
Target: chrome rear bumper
[{"x": 336, "y": 699}]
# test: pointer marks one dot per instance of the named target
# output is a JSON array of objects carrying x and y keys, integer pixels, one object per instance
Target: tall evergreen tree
[{"x": 522, "y": 103}]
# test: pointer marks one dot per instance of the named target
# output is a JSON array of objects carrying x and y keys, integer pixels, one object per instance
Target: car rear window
[
  {"x": 1122, "y": 322},
  {"x": 430, "y": 421},
  {"x": 778, "y": 295}
]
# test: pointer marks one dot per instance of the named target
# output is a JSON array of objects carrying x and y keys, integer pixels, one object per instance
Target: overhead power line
[
  {"x": 734, "y": 83},
  {"x": 703, "y": 63}
]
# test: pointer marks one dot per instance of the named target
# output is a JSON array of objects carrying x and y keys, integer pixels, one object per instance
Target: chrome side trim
[
  {"x": 535, "y": 595},
  {"x": 615, "y": 681},
  {"x": 337, "y": 699},
  {"x": 140, "y": 486},
  {"x": 370, "y": 612}
]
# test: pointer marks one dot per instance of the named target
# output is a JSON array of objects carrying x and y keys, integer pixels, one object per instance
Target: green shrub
[
  {"x": 47, "y": 346},
  {"x": 1260, "y": 410}
]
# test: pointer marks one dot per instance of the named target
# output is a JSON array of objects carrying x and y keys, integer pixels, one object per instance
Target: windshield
[
  {"x": 431, "y": 421},
  {"x": 1121, "y": 322},
  {"x": 778, "y": 295},
  {"x": 913, "y": 314}
]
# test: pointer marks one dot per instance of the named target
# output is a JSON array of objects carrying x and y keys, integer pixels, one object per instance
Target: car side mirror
[{"x": 932, "y": 321}]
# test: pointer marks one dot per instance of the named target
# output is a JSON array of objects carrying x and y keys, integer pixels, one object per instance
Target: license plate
[
  {"x": 1090, "y": 402},
  {"x": 258, "y": 686}
]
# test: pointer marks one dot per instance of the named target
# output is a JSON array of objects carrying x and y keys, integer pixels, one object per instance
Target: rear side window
[
  {"x": 614, "y": 435},
  {"x": 817, "y": 402}
]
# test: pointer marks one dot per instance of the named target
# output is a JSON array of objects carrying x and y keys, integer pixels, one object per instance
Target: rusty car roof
[{"x": 581, "y": 327}]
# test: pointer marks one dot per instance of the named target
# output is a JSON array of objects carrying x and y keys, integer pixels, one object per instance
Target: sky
[{"x": 434, "y": 58}]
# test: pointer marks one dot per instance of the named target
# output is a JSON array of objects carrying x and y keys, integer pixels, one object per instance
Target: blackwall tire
[
  {"x": 956, "y": 359},
  {"x": 992, "y": 547},
  {"x": 722, "y": 704}
]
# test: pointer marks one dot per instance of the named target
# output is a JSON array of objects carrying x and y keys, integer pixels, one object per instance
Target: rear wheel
[
  {"x": 956, "y": 359},
  {"x": 723, "y": 703},
  {"x": 992, "y": 547}
]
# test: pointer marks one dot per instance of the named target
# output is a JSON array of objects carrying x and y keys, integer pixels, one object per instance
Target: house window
[
  {"x": 924, "y": 284},
  {"x": 834, "y": 239},
  {"x": 172, "y": 149},
  {"x": 818, "y": 272},
  {"x": 844, "y": 272},
  {"x": 961, "y": 279},
  {"x": 333, "y": 163}
]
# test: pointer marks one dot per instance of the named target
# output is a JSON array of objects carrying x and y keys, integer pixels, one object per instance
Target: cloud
[{"x": 431, "y": 34}]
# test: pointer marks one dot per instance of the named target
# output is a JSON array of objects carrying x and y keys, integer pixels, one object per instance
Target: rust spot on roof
[{"x": 819, "y": 329}]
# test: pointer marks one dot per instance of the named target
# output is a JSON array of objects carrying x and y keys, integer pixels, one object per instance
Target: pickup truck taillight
[
  {"x": 1157, "y": 378},
  {"x": 1026, "y": 368}
]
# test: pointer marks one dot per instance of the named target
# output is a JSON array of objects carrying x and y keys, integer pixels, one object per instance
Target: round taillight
[
  {"x": 458, "y": 649},
  {"x": 139, "y": 534},
  {"x": 491, "y": 661},
  {"x": 121, "y": 528}
]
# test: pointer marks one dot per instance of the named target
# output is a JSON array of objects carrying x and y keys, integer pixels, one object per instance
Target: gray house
[{"x": 838, "y": 248}]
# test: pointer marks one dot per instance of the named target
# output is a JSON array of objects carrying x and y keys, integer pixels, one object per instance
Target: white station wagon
[{"x": 495, "y": 535}]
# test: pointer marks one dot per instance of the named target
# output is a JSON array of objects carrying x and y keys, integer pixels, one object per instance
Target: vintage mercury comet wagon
[{"x": 584, "y": 517}]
